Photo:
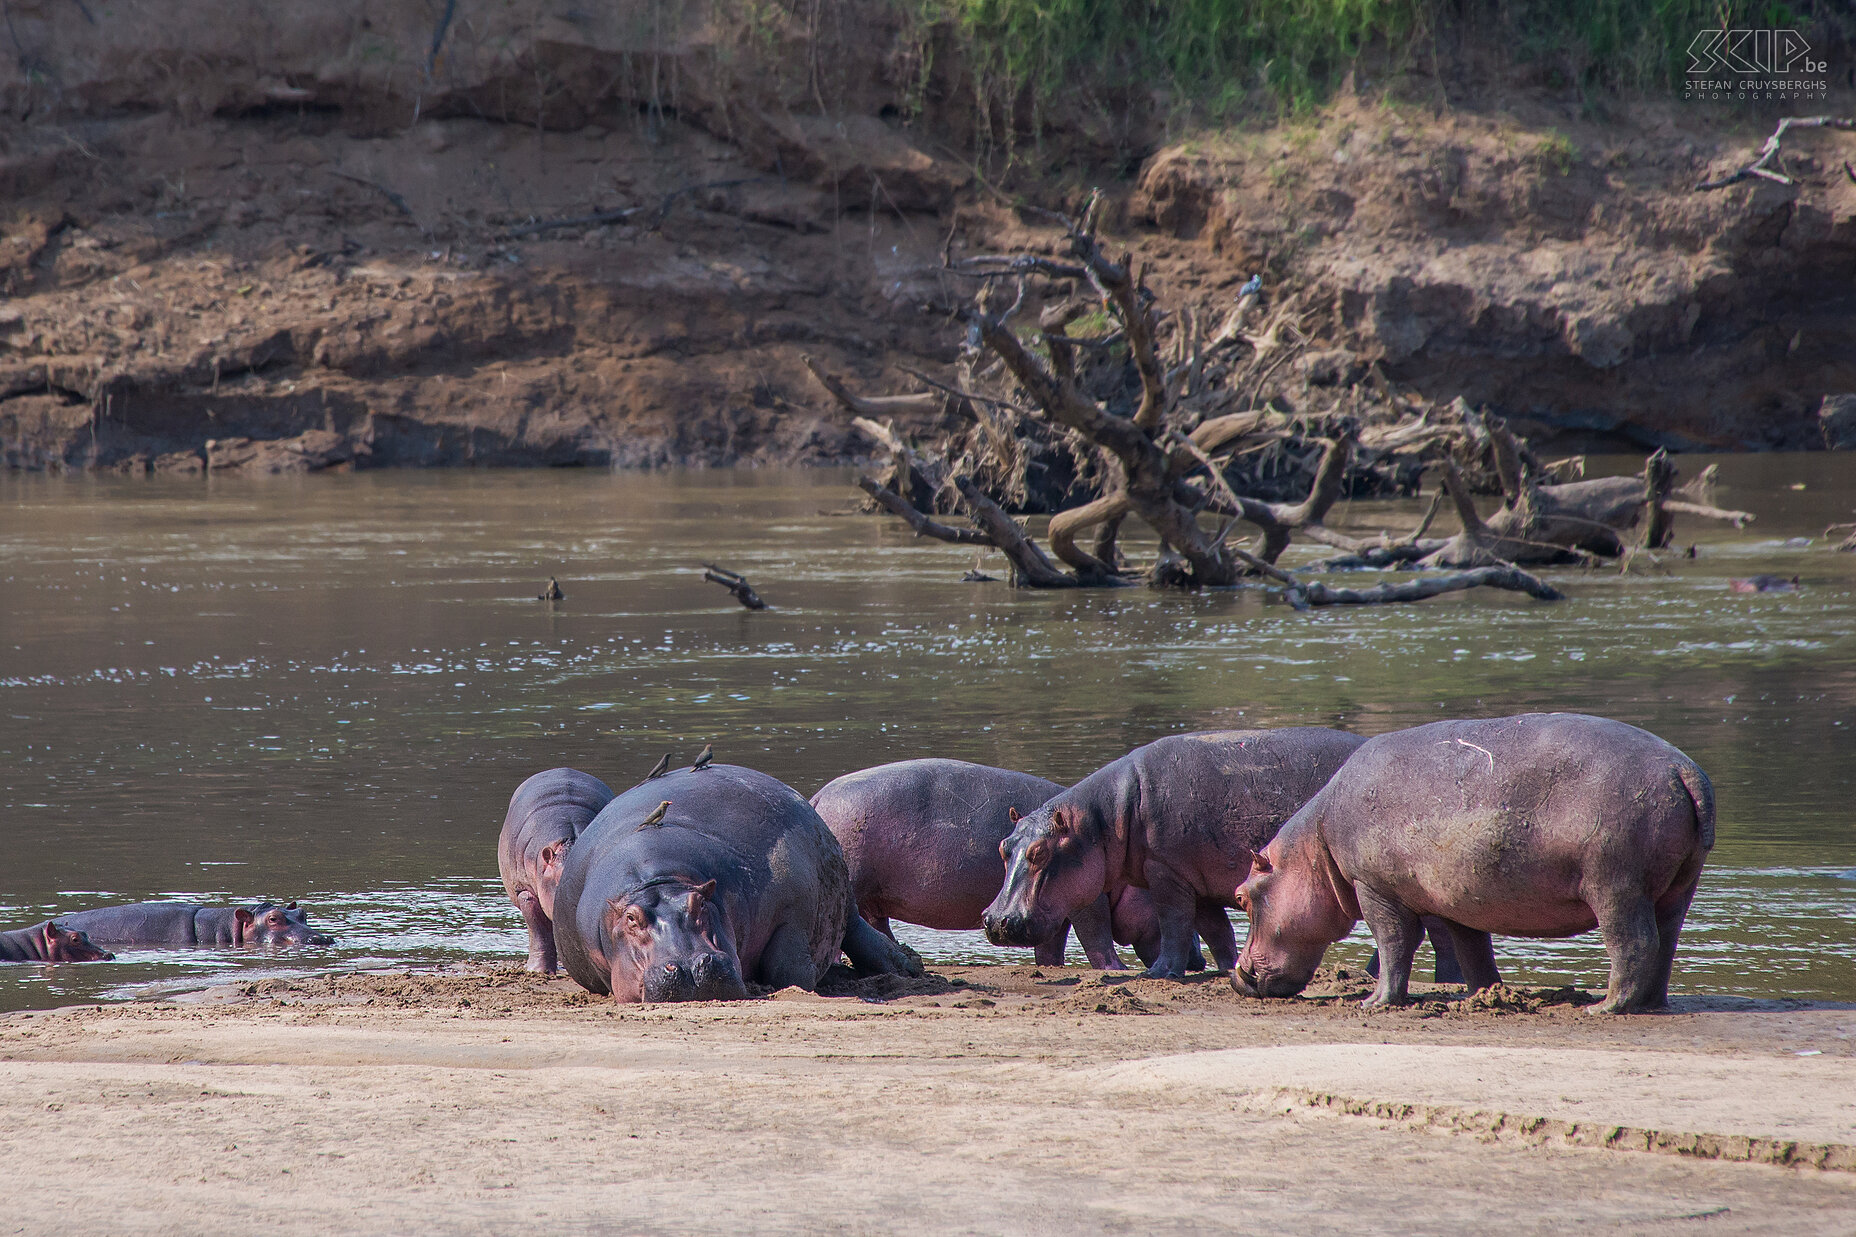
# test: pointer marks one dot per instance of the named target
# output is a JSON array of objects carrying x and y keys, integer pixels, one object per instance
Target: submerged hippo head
[
  {"x": 61, "y": 945},
  {"x": 273, "y": 925},
  {"x": 667, "y": 941},
  {"x": 1298, "y": 904},
  {"x": 1052, "y": 871}
]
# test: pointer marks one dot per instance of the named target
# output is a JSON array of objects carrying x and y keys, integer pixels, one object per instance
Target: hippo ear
[
  {"x": 1260, "y": 864},
  {"x": 1012, "y": 815},
  {"x": 242, "y": 919},
  {"x": 706, "y": 890},
  {"x": 290, "y": 907},
  {"x": 1059, "y": 825}
]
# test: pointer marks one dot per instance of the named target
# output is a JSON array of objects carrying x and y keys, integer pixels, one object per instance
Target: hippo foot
[
  {"x": 1161, "y": 970},
  {"x": 1380, "y": 1000},
  {"x": 1623, "y": 1007}
]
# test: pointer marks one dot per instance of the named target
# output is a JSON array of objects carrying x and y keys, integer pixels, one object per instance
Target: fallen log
[
  {"x": 736, "y": 584},
  {"x": 923, "y": 524}
]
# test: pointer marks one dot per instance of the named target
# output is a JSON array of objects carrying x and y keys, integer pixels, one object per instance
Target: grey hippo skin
[
  {"x": 737, "y": 880},
  {"x": 49, "y": 942},
  {"x": 546, "y": 814},
  {"x": 1545, "y": 825},
  {"x": 921, "y": 839},
  {"x": 181, "y": 924},
  {"x": 1180, "y": 818}
]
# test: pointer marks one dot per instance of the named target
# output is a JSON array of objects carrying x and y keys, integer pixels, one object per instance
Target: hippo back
[
  {"x": 921, "y": 837},
  {"x": 763, "y": 844},
  {"x": 1239, "y": 784},
  {"x": 552, "y": 806}
]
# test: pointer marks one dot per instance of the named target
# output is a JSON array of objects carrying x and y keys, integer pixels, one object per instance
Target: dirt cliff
[{"x": 398, "y": 233}]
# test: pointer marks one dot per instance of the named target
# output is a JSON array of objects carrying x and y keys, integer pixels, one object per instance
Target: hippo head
[
  {"x": 1052, "y": 870},
  {"x": 667, "y": 941},
  {"x": 1294, "y": 897},
  {"x": 273, "y": 925},
  {"x": 62, "y": 945},
  {"x": 545, "y": 863}
]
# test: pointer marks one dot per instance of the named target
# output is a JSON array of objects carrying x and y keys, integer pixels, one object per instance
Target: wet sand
[{"x": 981, "y": 1099}]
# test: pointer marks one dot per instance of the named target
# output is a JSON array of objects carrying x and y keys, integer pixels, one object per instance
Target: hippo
[
  {"x": 691, "y": 885},
  {"x": 546, "y": 813},
  {"x": 50, "y": 942},
  {"x": 180, "y": 924},
  {"x": 1180, "y": 818},
  {"x": 1544, "y": 825},
  {"x": 921, "y": 839}
]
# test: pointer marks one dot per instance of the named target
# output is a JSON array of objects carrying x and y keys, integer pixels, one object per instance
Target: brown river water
[{"x": 325, "y": 687}]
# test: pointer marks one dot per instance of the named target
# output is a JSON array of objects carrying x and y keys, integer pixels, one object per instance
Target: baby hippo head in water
[
  {"x": 273, "y": 925},
  {"x": 667, "y": 941},
  {"x": 1051, "y": 871},
  {"x": 1296, "y": 912},
  {"x": 62, "y": 945}
]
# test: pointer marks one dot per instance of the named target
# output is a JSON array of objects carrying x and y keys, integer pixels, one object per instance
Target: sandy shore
[{"x": 984, "y": 1099}]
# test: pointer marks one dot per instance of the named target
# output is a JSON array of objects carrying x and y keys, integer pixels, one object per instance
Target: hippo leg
[
  {"x": 872, "y": 953},
  {"x": 1215, "y": 928},
  {"x": 1174, "y": 906},
  {"x": 1096, "y": 936},
  {"x": 540, "y": 933},
  {"x": 881, "y": 924},
  {"x": 1668, "y": 929},
  {"x": 1050, "y": 950},
  {"x": 1472, "y": 952},
  {"x": 1445, "y": 969},
  {"x": 1629, "y": 928},
  {"x": 1397, "y": 931},
  {"x": 786, "y": 959}
]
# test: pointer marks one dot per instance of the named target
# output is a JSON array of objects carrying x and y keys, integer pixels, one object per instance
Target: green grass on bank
[{"x": 1217, "y": 55}]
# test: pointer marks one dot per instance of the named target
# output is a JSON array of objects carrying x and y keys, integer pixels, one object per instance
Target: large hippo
[
  {"x": 1546, "y": 825},
  {"x": 688, "y": 886},
  {"x": 1180, "y": 818},
  {"x": 546, "y": 813},
  {"x": 49, "y": 942},
  {"x": 180, "y": 924},
  {"x": 921, "y": 839}
]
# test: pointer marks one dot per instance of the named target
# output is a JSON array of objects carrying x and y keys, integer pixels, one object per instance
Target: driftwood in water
[{"x": 736, "y": 584}]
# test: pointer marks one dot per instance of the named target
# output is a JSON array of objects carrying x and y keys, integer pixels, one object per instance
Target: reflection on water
[{"x": 325, "y": 688}]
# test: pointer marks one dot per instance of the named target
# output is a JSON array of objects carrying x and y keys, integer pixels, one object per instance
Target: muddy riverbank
[
  {"x": 311, "y": 241},
  {"x": 1005, "y": 1099}
]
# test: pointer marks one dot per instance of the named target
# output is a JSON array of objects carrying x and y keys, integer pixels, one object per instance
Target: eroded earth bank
[{"x": 358, "y": 235}]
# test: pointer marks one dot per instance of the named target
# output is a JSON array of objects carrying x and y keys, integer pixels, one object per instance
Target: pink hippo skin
[
  {"x": 1180, "y": 818},
  {"x": 49, "y": 942},
  {"x": 1544, "y": 825},
  {"x": 921, "y": 838},
  {"x": 546, "y": 814}
]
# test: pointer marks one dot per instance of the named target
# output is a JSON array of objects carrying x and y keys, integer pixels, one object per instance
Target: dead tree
[
  {"x": 1762, "y": 165},
  {"x": 1156, "y": 469},
  {"x": 1158, "y": 417}
]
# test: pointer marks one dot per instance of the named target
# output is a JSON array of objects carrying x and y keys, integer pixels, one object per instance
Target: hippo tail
[{"x": 1701, "y": 794}]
